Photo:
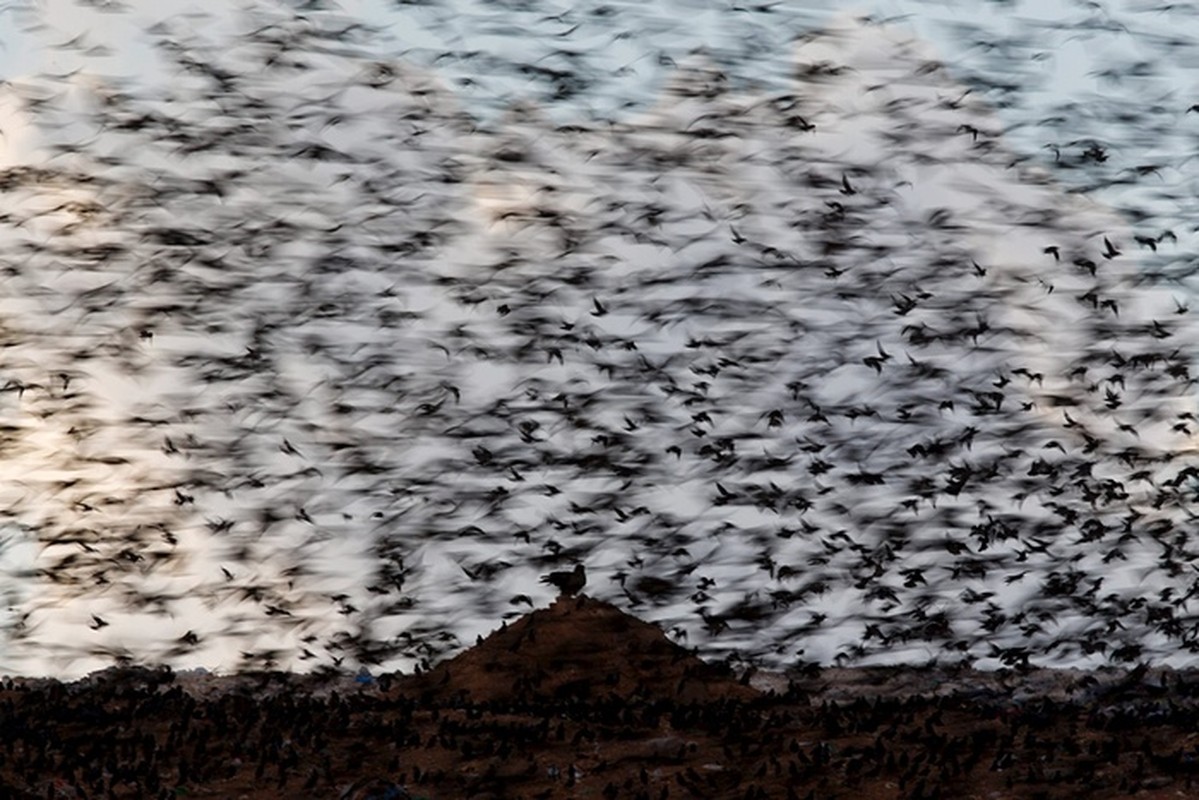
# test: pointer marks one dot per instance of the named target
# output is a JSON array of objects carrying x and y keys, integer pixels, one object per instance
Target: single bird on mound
[{"x": 568, "y": 583}]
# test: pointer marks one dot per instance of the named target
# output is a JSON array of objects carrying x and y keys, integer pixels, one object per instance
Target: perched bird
[{"x": 568, "y": 583}]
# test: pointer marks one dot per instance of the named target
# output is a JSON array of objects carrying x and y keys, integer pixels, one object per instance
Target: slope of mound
[{"x": 578, "y": 649}]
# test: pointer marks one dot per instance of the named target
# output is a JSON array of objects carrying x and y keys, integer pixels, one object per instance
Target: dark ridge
[{"x": 581, "y": 700}]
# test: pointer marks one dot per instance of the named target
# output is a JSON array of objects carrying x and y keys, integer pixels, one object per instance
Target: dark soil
[{"x": 581, "y": 700}]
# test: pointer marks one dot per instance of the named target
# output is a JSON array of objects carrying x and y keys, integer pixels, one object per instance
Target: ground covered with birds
[
  {"x": 830, "y": 415},
  {"x": 580, "y": 700}
]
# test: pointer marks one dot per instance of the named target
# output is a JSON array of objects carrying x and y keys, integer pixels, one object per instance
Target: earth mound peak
[{"x": 578, "y": 649}]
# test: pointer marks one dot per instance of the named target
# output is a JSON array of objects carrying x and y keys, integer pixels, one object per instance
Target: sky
[
  {"x": 1070, "y": 60},
  {"x": 1056, "y": 66},
  {"x": 1067, "y": 66}
]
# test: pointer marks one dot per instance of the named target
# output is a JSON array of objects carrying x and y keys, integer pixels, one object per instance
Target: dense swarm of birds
[{"x": 303, "y": 363}]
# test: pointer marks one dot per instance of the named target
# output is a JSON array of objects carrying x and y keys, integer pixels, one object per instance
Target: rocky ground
[{"x": 582, "y": 700}]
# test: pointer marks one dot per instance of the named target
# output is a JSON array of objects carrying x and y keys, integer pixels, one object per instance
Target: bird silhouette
[{"x": 568, "y": 582}]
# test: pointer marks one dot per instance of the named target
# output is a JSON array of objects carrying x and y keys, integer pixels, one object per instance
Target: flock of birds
[{"x": 301, "y": 365}]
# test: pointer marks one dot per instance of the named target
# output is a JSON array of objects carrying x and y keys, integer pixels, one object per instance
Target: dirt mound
[{"x": 579, "y": 650}]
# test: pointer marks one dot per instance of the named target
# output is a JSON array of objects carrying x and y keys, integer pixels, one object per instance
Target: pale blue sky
[
  {"x": 1082, "y": 46},
  {"x": 1074, "y": 69},
  {"x": 1055, "y": 51}
]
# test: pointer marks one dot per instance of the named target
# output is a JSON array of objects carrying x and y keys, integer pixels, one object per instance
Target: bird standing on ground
[{"x": 568, "y": 583}]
